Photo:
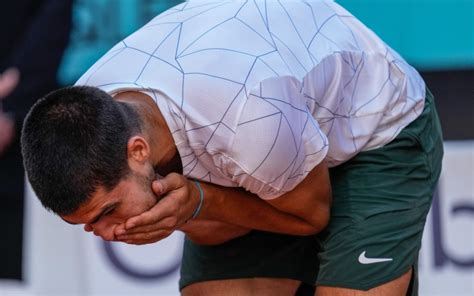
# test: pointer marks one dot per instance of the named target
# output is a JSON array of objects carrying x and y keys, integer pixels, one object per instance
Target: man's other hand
[{"x": 179, "y": 199}]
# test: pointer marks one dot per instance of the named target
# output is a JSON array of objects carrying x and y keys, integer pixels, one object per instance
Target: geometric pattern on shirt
[{"x": 257, "y": 45}]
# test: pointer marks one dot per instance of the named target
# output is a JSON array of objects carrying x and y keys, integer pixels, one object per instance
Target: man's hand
[
  {"x": 302, "y": 211},
  {"x": 179, "y": 199}
]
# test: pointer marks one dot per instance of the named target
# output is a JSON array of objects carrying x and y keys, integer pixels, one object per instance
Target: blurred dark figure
[{"x": 34, "y": 34}]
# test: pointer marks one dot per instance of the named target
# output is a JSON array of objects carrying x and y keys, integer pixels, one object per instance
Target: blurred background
[{"x": 50, "y": 43}]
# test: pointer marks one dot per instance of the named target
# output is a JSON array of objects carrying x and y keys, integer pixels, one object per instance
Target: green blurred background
[
  {"x": 98, "y": 25},
  {"x": 429, "y": 34},
  {"x": 435, "y": 36}
]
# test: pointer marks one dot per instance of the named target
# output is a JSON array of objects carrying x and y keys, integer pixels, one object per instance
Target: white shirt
[{"x": 257, "y": 93}]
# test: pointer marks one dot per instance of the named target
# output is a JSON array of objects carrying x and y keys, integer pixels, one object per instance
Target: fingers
[
  {"x": 169, "y": 183},
  {"x": 167, "y": 224},
  {"x": 163, "y": 218},
  {"x": 159, "y": 211},
  {"x": 157, "y": 187},
  {"x": 163, "y": 209},
  {"x": 148, "y": 217},
  {"x": 145, "y": 238}
]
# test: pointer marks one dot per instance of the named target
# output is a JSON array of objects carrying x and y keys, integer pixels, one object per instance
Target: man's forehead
[
  {"x": 79, "y": 216},
  {"x": 88, "y": 210}
]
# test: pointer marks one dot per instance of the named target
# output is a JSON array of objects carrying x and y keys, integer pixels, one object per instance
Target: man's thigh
[
  {"x": 243, "y": 287},
  {"x": 396, "y": 287}
]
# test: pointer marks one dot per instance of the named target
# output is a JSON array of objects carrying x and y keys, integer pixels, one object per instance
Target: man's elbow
[
  {"x": 318, "y": 218},
  {"x": 316, "y": 224},
  {"x": 322, "y": 219}
]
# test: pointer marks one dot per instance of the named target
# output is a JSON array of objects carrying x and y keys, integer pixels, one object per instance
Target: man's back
[{"x": 237, "y": 80}]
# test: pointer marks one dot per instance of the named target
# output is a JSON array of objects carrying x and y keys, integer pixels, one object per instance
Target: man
[{"x": 255, "y": 100}]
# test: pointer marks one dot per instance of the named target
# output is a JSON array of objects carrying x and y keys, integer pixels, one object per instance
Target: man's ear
[{"x": 138, "y": 149}]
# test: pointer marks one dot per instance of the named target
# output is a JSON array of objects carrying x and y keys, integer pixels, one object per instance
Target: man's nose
[{"x": 106, "y": 233}]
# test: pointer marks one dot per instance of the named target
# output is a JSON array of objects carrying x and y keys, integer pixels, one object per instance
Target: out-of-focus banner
[
  {"x": 447, "y": 256},
  {"x": 63, "y": 260}
]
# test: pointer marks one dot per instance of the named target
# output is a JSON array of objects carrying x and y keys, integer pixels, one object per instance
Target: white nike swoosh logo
[{"x": 365, "y": 260}]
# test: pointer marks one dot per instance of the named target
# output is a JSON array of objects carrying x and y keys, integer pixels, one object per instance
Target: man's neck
[
  {"x": 164, "y": 154},
  {"x": 173, "y": 166}
]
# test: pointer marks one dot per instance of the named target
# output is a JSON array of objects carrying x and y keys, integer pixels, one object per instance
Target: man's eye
[{"x": 109, "y": 212}]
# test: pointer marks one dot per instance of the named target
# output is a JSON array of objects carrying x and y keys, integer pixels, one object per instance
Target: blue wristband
[{"x": 201, "y": 200}]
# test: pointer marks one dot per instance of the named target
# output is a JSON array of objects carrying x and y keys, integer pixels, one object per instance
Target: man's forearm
[
  {"x": 206, "y": 232},
  {"x": 239, "y": 207},
  {"x": 301, "y": 211}
]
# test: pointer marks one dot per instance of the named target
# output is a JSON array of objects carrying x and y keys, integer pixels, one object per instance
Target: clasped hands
[{"x": 177, "y": 199}]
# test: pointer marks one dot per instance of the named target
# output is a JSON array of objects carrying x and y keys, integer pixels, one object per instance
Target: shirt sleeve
[{"x": 277, "y": 141}]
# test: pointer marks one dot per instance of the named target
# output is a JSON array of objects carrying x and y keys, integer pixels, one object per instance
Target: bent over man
[{"x": 253, "y": 112}]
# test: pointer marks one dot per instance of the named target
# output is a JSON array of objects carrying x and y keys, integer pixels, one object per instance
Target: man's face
[{"x": 106, "y": 210}]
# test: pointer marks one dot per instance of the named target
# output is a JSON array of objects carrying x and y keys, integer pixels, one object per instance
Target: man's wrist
[
  {"x": 197, "y": 210},
  {"x": 195, "y": 201}
]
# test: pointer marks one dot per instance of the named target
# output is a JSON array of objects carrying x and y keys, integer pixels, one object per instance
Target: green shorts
[
  {"x": 257, "y": 254},
  {"x": 380, "y": 202}
]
